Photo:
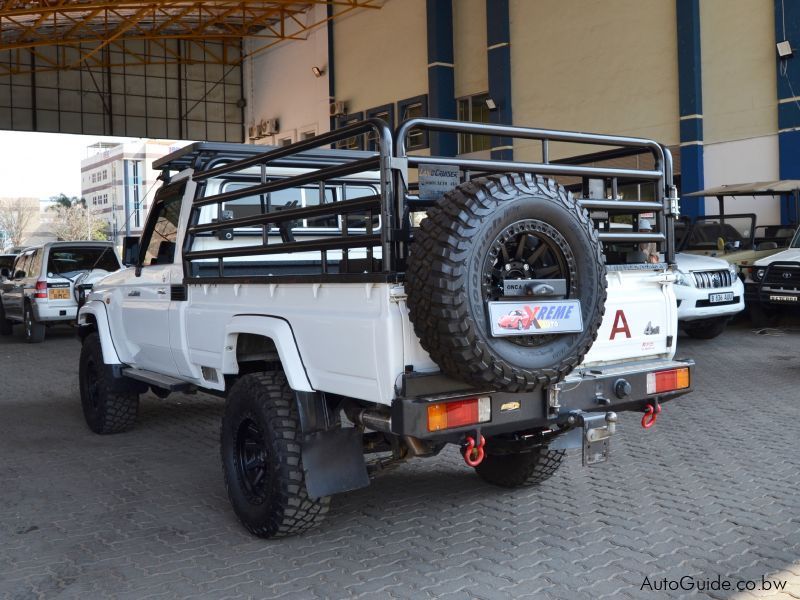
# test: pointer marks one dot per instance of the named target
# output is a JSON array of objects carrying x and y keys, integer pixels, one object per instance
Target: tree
[
  {"x": 76, "y": 222},
  {"x": 63, "y": 200},
  {"x": 15, "y": 217}
]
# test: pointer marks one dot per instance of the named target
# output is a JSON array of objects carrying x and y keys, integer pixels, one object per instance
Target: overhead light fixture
[
  {"x": 317, "y": 71},
  {"x": 784, "y": 49},
  {"x": 491, "y": 104}
]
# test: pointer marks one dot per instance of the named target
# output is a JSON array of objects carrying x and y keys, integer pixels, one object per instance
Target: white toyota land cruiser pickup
[{"x": 295, "y": 282}]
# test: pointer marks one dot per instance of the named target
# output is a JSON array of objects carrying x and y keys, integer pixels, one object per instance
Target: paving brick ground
[{"x": 711, "y": 491}]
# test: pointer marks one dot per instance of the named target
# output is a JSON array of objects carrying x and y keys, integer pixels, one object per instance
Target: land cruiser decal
[
  {"x": 650, "y": 330},
  {"x": 517, "y": 318},
  {"x": 620, "y": 325}
]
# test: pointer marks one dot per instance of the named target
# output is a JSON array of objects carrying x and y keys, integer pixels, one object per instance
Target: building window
[
  {"x": 385, "y": 112},
  {"x": 473, "y": 109},
  {"x": 356, "y": 142},
  {"x": 94, "y": 177},
  {"x": 307, "y": 135},
  {"x": 285, "y": 141},
  {"x": 411, "y": 108}
]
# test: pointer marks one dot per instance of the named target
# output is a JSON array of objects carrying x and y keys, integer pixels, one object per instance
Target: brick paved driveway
[{"x": 712, "y": 490}]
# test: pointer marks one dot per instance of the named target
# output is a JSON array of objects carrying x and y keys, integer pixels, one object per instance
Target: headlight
[
  {"x": 734, "y": 272},
  {"x": 684, "y": 279},
  {"x": 758, "y": 274}
]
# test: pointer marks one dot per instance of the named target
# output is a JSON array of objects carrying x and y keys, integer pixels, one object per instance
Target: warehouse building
[{"x": 702, "y": 77}]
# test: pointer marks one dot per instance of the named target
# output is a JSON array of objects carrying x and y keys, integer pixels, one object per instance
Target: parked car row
[{"x": 44, "y": 284}]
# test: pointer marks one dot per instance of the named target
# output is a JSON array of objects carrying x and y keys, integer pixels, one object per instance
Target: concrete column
[
  {"x": 498, "y": 42},
  {"x": 787, "y": 28},
  {"x": 690, "y": 95},
  {"x": 441, "y": 78}
]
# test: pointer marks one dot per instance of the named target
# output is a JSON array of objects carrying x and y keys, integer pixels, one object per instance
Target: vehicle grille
[
  {"x": 712, "y": 279},
  {"x": 785, "y": 277}
]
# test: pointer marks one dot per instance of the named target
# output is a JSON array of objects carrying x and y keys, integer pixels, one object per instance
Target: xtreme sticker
[{"x": 518, "y": 318}]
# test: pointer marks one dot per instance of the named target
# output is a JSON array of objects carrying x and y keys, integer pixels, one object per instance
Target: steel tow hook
[
  {"x": 651, "y": 414},
  {"x": 473, "y": 455}
]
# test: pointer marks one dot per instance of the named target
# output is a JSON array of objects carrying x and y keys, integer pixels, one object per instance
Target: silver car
[{"x": 45, "y": 284}]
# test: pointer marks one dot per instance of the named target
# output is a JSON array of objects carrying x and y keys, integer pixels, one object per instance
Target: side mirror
[
  {"x": 130, "y": 250},
  {"x": 19, "y": 275}
]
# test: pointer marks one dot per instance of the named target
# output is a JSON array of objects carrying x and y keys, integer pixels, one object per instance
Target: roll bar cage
[{"x": 320, "y": 165}]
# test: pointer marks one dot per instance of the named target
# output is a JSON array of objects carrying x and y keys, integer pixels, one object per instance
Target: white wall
[
  {"x": 744, "y": 161},
  {"x": 279, "y": 84}
]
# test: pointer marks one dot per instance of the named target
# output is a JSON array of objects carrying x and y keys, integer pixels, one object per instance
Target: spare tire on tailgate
[{"x": 497, "y": 263}]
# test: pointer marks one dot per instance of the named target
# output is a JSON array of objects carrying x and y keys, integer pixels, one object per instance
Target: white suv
[
  {"x": 709, "y": 293},
  {"x": 45, "y": 283}
]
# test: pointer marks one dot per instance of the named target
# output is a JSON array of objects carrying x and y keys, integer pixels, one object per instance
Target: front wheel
[
  {"x": 261, "y": 462},
  {"x": 759, "y": 317},
  {"x": 105, "y": 409},
  {"x": 520, "y": 469},
  {"x": 707, "y": 329},
  {"x": 34, "y": 330}
]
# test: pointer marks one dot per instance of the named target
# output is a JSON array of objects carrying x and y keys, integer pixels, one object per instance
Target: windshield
[
  {"x": 706, "y": 232},
  {"x": 69, "y": 260}
]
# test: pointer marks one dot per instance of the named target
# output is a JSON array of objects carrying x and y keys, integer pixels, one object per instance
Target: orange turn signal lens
[
  {"x": 668, "y": 381},
  {"x": 457, "y": 413}
]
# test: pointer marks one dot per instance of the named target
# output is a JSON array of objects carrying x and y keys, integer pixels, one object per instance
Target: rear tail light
[
  {"x": 667, "y": 381},
  {"x": 41, "y": 290},
  {"x": 446, "y": 415}
]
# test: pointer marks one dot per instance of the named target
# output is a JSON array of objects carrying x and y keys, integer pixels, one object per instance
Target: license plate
[
  {"x": 724, "y": 297},
  {"x": 535, "y": 318},
  {"x": 783, "y": 298},
  {"x": 58, "y": 294}
]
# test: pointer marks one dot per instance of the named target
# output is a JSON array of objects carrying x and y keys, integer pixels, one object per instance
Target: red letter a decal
[{"x": 620, "y": 325}]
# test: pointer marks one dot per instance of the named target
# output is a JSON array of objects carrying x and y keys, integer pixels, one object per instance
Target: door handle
[
  {"x": 134, "y": 293},
  {"x": 162, "y": 291}
]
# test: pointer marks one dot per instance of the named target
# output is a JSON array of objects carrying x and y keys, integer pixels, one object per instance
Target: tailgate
[{"x": 641, "y": 318}]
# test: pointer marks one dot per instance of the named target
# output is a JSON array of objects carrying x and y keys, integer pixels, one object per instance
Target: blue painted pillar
[
  {"x": 498, "y": 41},
  {"x": 441, "y": 78},
  {"x": 787, "y": 27},
  {"x": 690, "y": 99}
]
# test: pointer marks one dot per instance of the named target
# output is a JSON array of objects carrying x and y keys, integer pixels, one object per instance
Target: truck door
[{"x": 146, "y": 297}]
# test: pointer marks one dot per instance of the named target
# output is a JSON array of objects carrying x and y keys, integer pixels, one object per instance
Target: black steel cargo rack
[{"x": 384, "y": 251}]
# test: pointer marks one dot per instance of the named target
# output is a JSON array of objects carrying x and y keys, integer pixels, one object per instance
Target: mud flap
[{"x": 333, "y": 461}]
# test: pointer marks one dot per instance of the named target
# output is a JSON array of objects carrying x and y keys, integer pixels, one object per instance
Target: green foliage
[{"x": 63, "y": 200}]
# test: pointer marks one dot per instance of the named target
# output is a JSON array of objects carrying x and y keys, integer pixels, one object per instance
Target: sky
[{"x": 41, "y": 165}]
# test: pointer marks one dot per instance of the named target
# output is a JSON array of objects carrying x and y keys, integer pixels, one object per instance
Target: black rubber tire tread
[
  {"x": 707, "y": 329},
  {"x": 267, "y": 398},
  {"x": 522, "y": 469},
  {"x": 116, "y": 410},
  {"x": 435, "y": 282},
  {"x": 6, "y": 326},
  {"x": 37, "y": 329},
  {"x": 759, "y": 316}
]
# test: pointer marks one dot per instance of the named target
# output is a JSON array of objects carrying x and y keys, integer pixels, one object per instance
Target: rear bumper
[
  {"x": 584, "y": 391},
  {"x": 43, "y": 311}
]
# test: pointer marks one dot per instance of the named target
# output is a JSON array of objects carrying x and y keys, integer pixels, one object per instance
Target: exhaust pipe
[
  {"x": 383, "y": 423},
  {"x": 375, "y": 421}
]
